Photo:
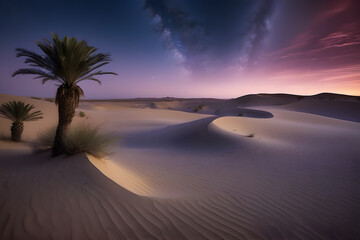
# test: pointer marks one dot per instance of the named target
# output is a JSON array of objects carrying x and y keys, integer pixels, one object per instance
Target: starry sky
[{"x": 193, "y": 48}]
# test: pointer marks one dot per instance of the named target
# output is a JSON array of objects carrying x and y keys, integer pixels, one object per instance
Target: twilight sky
[{"x": 193, "y": 48}]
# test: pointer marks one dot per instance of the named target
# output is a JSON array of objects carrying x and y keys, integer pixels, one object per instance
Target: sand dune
[
  {"x": 182, "y": 175},
  {"x": 325, "y": 104},
  {"x": 329, "y": 108}
]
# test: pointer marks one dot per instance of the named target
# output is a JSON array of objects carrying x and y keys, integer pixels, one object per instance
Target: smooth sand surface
[
  {"x": 273, "y": 173},
  {"x": 345, "y": 110}
]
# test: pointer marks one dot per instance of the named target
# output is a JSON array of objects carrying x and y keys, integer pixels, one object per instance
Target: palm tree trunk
[
  {"x": 17, "y": 129},
  {"x": 66, "y": 110}
]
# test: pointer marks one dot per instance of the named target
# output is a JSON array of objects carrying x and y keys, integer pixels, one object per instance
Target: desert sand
[{"x": 257, "y": 167}]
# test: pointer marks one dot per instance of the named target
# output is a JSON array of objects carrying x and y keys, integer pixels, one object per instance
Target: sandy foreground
[{"x": 285, "y": 168}]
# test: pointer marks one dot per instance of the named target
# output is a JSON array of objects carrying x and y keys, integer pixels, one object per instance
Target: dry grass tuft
[{"x": 81, "y": 138}]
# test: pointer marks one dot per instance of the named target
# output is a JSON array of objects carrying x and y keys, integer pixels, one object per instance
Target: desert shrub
[
  {"x": 251, "y": 135},
  {"x": 45, "y": 139},
  {"x": 152, "y": 105},
  {"x": 36, "y": 98},
  {"x": 81, "y": 138},
  {"x": 81, "y": 114},
  {"x": 198, "y": 108},
  {"x": 240, "y": 114}
]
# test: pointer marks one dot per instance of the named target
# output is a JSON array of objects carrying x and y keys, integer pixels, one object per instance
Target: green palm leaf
[
  {"x": 65, "y": 61},
  {"x": 17, "y": 111}
]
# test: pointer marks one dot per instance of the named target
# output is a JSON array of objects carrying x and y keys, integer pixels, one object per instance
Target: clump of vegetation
[
  {"x": 251, "y": 135},
  {"x": 88, "y": 139},
  {"x": 240, "y": 114},
  {"x": 81, "y": 138},
  {"x": 152, "y": 105},
  {"x": 198, "y": 108},
  {"x": 300, "y": 97},
  {"x": 18, "y": 113},
  {"x": 81, "y": 114},
  {"x": 36, "y": 98}
]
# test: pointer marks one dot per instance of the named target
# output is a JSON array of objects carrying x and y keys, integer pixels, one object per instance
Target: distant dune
[
  {"x": 263, "y": 166},
  {"x": 325, "y": 104},
  {"x": 281, "y": 98}
]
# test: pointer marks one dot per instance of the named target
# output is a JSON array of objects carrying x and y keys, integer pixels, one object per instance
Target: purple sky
[{"x": 194, "y": 48}]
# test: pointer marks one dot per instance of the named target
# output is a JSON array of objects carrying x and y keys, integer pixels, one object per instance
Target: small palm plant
[
  {"x": 18, "y": 112},
  {"x": 67, "y": 62}
]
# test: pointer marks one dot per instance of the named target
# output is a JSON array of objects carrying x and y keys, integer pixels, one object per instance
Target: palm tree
[
  {"x": 18, "y": 112},
  {"x": 66, "y": 62}
]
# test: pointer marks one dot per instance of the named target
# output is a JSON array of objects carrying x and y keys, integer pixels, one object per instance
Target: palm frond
[
  {"x": 90, "y": 76},
  {"x": 66, "y": 61},
  {"x": 34, "y": 59},
  {"x": 40, "y": 74},
  {"x": 17, "y": 111}
]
